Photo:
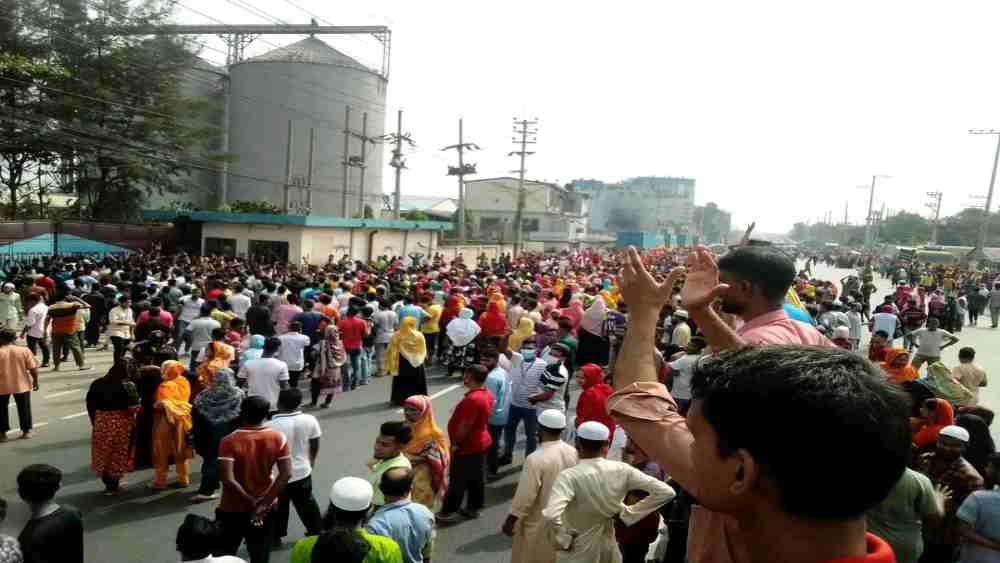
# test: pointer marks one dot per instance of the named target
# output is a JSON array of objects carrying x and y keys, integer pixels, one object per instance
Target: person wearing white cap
[
  {"x": 588, "y": 498},
  {"x": 946, "y": 467},
  {"x": 10, "y": 307},
  {"x": 681, "y": 334},
  {"x": 345, "y": 540},
  {"x": 525, "y": 522}
]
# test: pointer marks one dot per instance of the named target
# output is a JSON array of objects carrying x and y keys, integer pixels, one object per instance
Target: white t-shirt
[
  {"x": 683, "y": 369},
  {"x": 35, "y": 320},
  {"x": 240, "y": 304},
  {"x": 929, "y": 341},
  {"x": 263, "y": 377},
  {"x": 292, "y": 349},
  {"x": 885, "y": 322},
  {"x": 190, "y": 308},
  {"x": 298, "y": 429}
]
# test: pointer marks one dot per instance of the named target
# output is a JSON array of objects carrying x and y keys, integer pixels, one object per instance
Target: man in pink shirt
[{"x": 751, "y": 282}]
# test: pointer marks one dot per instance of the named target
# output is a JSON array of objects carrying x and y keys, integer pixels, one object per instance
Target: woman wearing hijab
[
  {"x": 112, "y": 403},
  {"x": 935, "y": 415},
  {"x": 327, "y": 376},
  {"x": 427, "y": 451},
  {"x": 493, "y": 321},
  {"x": 255, "y": 351},
  {"x": 171, "y": 423},
  {"x": 981, "y": 445},
  {"x": 944, "y": 385},
  {"x": 219, "y": 355},
  {"x": 405, "y": 361},
  {"x": 573, "y": 313},
  {"x": 525, "y": 330},
  {"x": 897, "y": 366},
  {"x": 462, "y": 333},
  {"x": 592, "y": 404},
  {"x": 594, "y": 346},
  {"x": 215, "y": 415}
]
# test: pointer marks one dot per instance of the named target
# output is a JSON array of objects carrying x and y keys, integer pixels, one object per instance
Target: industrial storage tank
[{"x": 307, "y": 85}]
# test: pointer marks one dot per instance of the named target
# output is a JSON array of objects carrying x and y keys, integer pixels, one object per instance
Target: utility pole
[
  {"x": 935, "y": 204},
  {"x": 979, "y": 252},
  {"x": 347, "y": 161},
  {"x": 525, "y": 131},
  {"x": 288, "y": 171},
  {"x": 398, "y": 162},
  {"x": 870, "y": 221},
  {"x": 461, "y": 171}
]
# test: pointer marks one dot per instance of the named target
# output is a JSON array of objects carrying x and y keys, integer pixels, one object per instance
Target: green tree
[
  {"x": 117, "y": 105},
  {"x": 905, "y": 228}
]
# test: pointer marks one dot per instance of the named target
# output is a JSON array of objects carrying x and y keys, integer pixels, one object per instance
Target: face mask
[{"x": 528, "y": 355}]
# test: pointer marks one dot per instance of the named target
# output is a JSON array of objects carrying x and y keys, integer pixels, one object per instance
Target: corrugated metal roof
[
  {"x": 68, "y": 244},
  {"x": 309, "y": 50}
]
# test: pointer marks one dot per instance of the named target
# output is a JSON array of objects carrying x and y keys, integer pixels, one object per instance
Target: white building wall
[{"x": 243, "y": 233}]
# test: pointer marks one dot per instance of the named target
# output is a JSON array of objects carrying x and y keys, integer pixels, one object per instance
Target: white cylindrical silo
[{"x": 308, "y": 84}]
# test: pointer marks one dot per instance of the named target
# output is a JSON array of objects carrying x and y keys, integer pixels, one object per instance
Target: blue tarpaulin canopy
[{"x": 68, "y": 244}]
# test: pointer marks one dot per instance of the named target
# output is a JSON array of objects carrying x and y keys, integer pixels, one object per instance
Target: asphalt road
[{"x": 137, "y": 526}]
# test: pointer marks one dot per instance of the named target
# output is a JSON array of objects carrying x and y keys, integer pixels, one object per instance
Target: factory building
[
  {"x": 650, "y": 208},
  {"x": 282, "y": 118}
]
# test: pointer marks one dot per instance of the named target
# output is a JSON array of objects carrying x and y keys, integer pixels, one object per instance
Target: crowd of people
[{"x": 724, "y": 397}]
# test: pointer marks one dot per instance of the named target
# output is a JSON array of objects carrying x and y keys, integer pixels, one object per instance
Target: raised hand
[
  {"x": 701, "y": 286},
  {"x": 640, "y": 290}
]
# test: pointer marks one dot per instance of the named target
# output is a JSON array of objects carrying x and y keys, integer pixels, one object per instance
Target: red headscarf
[
  {"x": 944, "y": 415},
  {"x": 493, "y": 322},
  {"x": 593, "y": 402}
]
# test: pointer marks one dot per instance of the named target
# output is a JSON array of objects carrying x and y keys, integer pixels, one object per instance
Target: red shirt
[
  {"x": 352, "y": 331},
  {"x": 878, "y": 552},
  {"x": 216, "y": 294},
  {"x": 467, "y": 426},
  {"x": 254, "y": 452},
  {"x": 48, "y": 284},
  {"x": 165, "y": 318}
]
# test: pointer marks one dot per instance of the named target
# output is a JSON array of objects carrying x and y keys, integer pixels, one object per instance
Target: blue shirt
[
  {"x": 797, "y": 314},
  {"x": 310, "y": 322},
  {"x": 498, "y": 384},
  {"x": 412, "y": 311},
  {"x": 409, "y": 523},
  {"x": 981, "y": 511}
]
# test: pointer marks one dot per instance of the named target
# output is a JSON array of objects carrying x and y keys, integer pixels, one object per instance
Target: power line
[{"x": 528, "y": 137}]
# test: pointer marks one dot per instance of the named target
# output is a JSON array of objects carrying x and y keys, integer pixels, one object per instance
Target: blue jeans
[
  {"x": 367, "y": 365},
  {"x": 353, "y": 376},
  {"x": 530, "y": 417},
  {"x": 181, "y": 334},
  {"x": 209, "y": 475}
]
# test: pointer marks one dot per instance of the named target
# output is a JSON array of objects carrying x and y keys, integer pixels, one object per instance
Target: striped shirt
[
  {"x": 554, "y": 379},
  {"x": 526, "y": 379}
]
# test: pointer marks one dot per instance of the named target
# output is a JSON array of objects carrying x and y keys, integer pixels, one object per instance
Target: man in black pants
[
  {"x": 302, "y": 432},
  {"x": 246, "y": 458}
]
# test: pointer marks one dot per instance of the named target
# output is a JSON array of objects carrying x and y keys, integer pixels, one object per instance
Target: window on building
[
  {"x": 268, "y": 250},
  {"x": 529, "y": 225},
  {"x": 220, "y": 246}
]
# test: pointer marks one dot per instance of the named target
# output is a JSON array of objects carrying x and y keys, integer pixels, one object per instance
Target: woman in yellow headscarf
[
  {"x": 496, "y": 296},
  {"x": 218, "y": 356},
  {"x": 525, "y": 330},
  {"x": 405, "y": 360},
  {"x": 171, "y": 423},
  {"x": 427, "y": 451}
]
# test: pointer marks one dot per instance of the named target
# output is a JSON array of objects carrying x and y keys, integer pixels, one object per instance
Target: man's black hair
[
  {"x": 398, "y": 430},
  {"x": 967, "y": 353},
  {"x": 342, "y": 541},
  {"x": 396, "y": 482},
  {"x": 197, "y": 537},
  {"x": 477, "y": 372},
  {"x": 38, "y": 482},
  {"x": 809, "y": 415},
  {"x": 272, "y": 345},
  {"x": 253, "y": 410},
  {"x": 290, "y": 398},
  {"x": 763, "y": 266}
]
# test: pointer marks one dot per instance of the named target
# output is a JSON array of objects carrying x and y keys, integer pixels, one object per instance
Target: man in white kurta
[
  {"x": 531, "y": 542},
  {"x": 586, "y": 499}
]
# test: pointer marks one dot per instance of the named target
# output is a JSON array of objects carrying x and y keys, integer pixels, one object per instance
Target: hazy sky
[{"x": 779, "y": 109}]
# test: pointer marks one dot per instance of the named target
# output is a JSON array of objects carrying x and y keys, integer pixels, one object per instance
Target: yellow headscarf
[
  {"x": 609, "y": 299},
  {"x": 525, "y": 329},
  {"x": 497, "y": 297},
  {"x": 174, "y": 395},
  {"x": 408, "y": 342}
]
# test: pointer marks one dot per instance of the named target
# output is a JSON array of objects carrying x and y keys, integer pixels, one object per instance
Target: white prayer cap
[
  {"x": 352, "y": 494},
  {"x": 552, "y": 419},
  {"x": 842, "y": 332},
  {"x": 956, "y": 432},
  {"x": 8, "y": 286},
  {"x": 593, "y": 431}
]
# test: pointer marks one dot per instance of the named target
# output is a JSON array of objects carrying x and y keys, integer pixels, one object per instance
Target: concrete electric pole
[
  {"x": 527, "y": 138},
  {"x": 398, "y": 162},
  {"x": 935, "y": 205},
  {"x": 979, "y": 251},
  {"x": 461, "y": 171},
  {"x": 870, "y": 233}
]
